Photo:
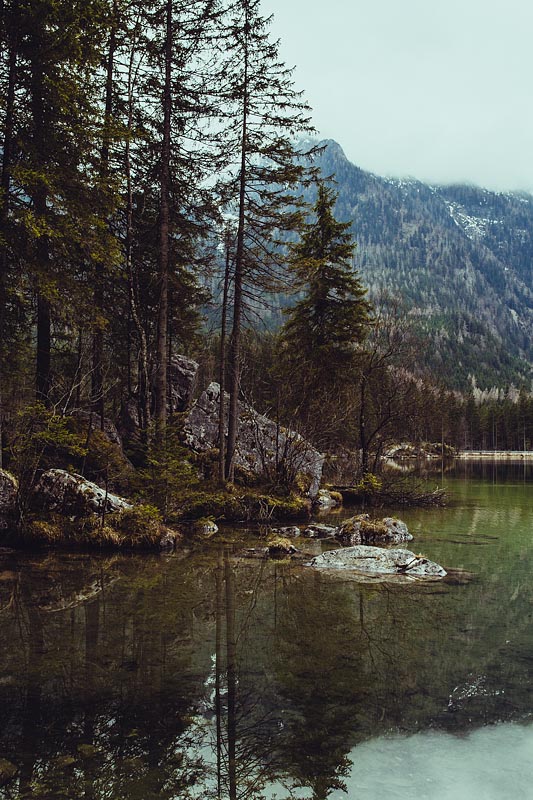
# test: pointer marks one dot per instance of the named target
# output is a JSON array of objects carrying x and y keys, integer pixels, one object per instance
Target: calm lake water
[{"x": 208, "y": 676}]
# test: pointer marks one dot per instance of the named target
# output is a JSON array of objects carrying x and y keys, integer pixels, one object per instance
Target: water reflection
[{"x": 222, "y": 677}]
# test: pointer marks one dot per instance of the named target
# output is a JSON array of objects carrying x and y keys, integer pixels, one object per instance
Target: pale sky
[{"x": 441, "y": 90}]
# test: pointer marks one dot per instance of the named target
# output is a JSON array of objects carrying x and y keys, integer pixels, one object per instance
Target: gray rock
[
  {"x": 68, "y": 493},
  {"x": 397, "y": 530},
  {"x": 318, "y": 531},
  {"x": 8, "y": 493},
  {"x": 362, "y": 530},
  {"x": 324, "y": 500},
  {"x": 260, "y": 442},
  {"x": 182, "y": 378},
  {"x": 378, "y": 561},
  {"x": 291, "y": 531}
]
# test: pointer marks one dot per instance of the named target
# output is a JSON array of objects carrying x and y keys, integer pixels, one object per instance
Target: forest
[{"x": 157, "y": 188}]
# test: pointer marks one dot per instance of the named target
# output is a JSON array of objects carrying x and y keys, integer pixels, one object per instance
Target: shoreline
[{"x": 495, "y": 455}]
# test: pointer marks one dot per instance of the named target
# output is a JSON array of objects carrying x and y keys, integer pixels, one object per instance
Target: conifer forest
[{"x": 163, "y": 197}]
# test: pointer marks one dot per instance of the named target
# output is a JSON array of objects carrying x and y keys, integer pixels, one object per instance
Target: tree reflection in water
[{"x": 220, "y": 677}]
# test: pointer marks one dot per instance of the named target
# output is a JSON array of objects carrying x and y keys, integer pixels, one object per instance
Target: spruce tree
[
  {"x": 320, "y": 344},
  {"x": 332, "y": 318},
  {"x": 265, "y": 170}
]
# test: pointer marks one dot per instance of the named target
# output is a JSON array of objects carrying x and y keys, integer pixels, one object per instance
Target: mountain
[{"x": 460, "y": 257}]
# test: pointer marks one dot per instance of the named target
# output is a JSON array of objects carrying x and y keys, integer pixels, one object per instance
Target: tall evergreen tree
[
  {"x": 320, "y": 344},
  {"x": 265, "y": 114},
  {"x": 332, "y": 318}
]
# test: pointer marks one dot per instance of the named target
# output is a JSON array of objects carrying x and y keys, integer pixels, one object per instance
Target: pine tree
[
  {"x": 265, "y": 114},
  {"x": 320, "y": 344},
  {"x": 332, "y": 318}
]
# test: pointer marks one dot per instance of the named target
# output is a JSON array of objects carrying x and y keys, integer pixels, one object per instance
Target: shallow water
[{"x": 208, "y": 675}]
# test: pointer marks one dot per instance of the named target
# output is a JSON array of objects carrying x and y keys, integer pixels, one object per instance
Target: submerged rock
[
  {"x": 362, "y": 530},
  {"x": 378, "y": 561},
  {"x": 69, "y": 493},
  {"x": 261, "y": 443}
]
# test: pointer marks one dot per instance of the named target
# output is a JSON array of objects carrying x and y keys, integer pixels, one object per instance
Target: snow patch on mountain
[{"x": 474, "y": 227}]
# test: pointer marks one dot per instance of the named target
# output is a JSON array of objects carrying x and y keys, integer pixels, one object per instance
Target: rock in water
[
  {"x": 316, "y": 530},
  {"x": 362, "y": 530},
  {"x": 378, "y": 561},
  {"x": 68, "y": 493},
  {"x": 260, "y": 441}
]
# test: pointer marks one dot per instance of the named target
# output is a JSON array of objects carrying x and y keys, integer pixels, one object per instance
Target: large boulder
[
  {"x": 362, "y": 530},
  {"x": 68, "y": 493},
  {"x": 182, "y": 379},
  {"x": 261, "y": 443},
  {"x": 182, "y": 382},
  {"x": 378, "y": 561}
]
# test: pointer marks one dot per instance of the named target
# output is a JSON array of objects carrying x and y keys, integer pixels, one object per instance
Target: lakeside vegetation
[{"x": 150, "y": 204}]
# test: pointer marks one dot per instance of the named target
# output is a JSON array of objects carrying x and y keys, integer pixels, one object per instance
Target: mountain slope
[{"x": 462, "y": 259}]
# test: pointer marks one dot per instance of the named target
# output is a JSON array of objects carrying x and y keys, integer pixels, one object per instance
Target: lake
[{"x": 204, "y": 675}]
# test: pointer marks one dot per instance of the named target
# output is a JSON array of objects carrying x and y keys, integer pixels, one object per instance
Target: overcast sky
[{"x": 441, "y": 90}]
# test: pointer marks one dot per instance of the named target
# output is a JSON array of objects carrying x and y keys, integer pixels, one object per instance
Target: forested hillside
[{"x": 462, "y": 259}]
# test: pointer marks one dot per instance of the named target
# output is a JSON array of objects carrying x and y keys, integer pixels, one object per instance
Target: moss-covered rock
[
  {"x": 136, "y": 528},
  {"x": 362, "y": 530}
]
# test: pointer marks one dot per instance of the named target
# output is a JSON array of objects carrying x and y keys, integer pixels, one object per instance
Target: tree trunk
[
  {"x": 362, "y": 427},
  {"x": 97, "y": 387},
  {"x": 44, "y": 343},
  {"x": 143, "y": 372},
  {"x": 235, "y": 343},
  {"x": 164, "y": 234},
  {"x": 4, "y": 204},
  {"x": 222, "y": 372},
  {"x": 39, "y": 198}
]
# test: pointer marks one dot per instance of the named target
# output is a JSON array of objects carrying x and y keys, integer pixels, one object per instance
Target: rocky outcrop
[
  {"x": 182, "y": 383},
  {"x": 8, "y": 497},
  {"x": 261, "y": 443},
  {"x": 182, "y": 379},
  {"x": 378, "y": 561},
  {"x": 68, "y": 493},
  {"x": 362, "y": 530}
]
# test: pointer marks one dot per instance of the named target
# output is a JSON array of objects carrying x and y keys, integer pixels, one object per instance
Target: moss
[
  {"x": 372, "y": 528},
  {"x": 137, "y": 528},
  {"x": 246, "y": 506}
]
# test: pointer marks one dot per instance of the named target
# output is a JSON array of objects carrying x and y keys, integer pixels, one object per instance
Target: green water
[{"x": 207, "y": 675}]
